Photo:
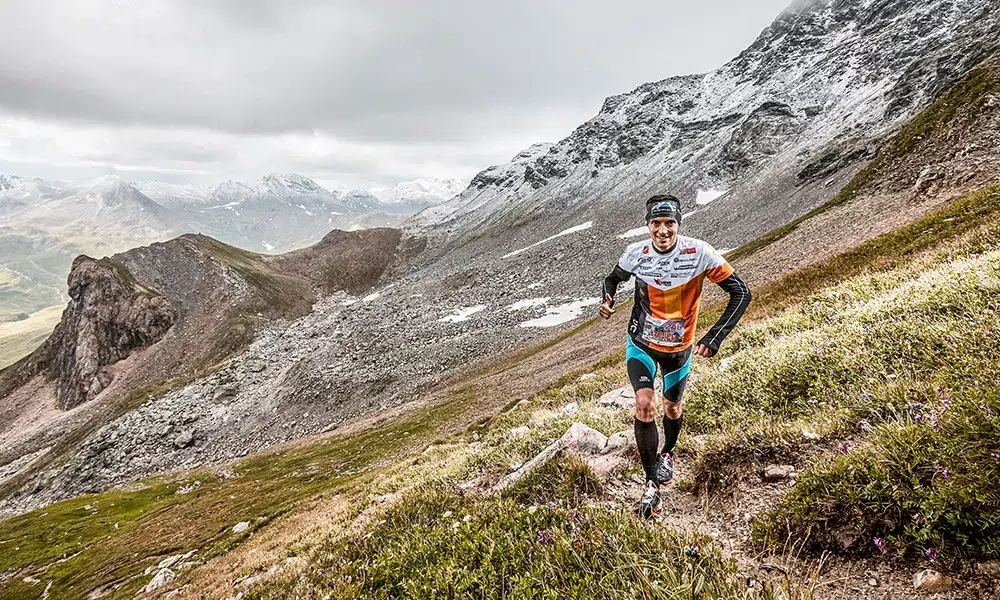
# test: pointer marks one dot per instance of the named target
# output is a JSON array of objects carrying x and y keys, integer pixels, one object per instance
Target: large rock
[
  {"x": 620, "y": 443},
  {"x": 223, "y": 393},
  {"x": 620, "y": 399},
  {"x": 518, "y": 432},
  {"x": 109, "y": 316},
  {"x": 578, "y": 438},
  {"x": 932, "y": 582},
  {"x": 584, "y": 439},
  {"x": 184, "y": 439},
  {"x": 775, "y": 473}
]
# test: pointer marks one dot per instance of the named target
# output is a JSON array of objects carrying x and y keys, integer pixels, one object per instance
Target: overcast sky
[{"x": 351, "y": 93}]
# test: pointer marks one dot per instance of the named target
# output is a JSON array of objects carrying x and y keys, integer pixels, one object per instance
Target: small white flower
[
  {"x": 446, "y": 514},
  {"x": 532, "y": 509},
  {"x": 467, "y": 518}
]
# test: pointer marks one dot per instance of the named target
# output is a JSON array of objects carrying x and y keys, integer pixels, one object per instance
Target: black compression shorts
[{"x": 674, "y": 368}]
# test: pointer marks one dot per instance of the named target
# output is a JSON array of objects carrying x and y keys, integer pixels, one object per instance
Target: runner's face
[{"x": 663, "y": 232}]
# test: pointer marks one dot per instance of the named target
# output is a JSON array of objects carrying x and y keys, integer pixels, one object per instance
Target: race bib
[{"x": 663, "y": 332}]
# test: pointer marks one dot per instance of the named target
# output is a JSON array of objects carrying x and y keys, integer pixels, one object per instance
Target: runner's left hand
[{"x": 703, "y": 350}]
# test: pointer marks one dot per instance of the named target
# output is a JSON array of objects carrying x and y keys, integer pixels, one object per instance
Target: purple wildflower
[
  {"x": 931, "y": 554},
  {"x": 879, "y": 543},
  {"x": 545, "y": 537},
  {"x": 995, "y": 456},
  {"x": 845, "y": 446}
]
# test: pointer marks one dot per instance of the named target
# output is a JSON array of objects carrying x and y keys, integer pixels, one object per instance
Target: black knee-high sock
[
  {"x": 671, "y": 429},
  {"x": 646, "y": 440}
]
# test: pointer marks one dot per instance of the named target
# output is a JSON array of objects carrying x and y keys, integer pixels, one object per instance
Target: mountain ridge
[{"x": 814, "y": 94}]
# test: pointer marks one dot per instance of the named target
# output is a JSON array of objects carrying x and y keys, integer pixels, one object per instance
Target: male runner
[{"x": 668, "y": 270}]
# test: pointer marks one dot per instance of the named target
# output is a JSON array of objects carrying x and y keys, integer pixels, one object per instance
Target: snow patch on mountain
[
  {"x": 562, "y": 313},
  {"x": 462, "y": 314},
  {"x": 574, "y": 229},
  {"x": 706, "y": 196}
]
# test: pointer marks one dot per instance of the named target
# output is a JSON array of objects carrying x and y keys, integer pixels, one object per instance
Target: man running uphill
[{"x": 669, "y": 270}]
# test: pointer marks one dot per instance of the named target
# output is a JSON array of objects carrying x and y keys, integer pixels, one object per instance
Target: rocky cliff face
[
  {"x": 109, "y": 315},
  {"x": 816, "y": 93}
]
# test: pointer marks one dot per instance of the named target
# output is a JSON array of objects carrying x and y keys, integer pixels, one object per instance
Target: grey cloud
[
  {"x": 360, "y": 69},
  {"x": 394, "y": 86}
]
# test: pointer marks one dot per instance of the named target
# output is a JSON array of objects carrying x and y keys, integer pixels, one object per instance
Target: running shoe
[
  {"x": 665, "y": 470},
  {"x": 649, "y": 505}
]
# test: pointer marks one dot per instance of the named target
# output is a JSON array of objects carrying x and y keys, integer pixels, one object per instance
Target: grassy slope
[{"x": 900, "y": 358}]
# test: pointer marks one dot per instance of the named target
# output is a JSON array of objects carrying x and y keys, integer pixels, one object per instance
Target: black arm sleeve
[
  {"x": 739, "y": 299},
  {"x": 612, "y": 281}
]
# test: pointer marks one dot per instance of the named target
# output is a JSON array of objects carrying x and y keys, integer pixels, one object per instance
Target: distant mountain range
[{"x": 45, "y": 224}]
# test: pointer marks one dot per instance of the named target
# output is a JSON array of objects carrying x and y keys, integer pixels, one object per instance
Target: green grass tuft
[
  {"x": 436, "y": 544},
  {"x": 927, "y": 483}
]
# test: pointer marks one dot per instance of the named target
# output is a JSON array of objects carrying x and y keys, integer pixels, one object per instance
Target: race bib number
[{"x": 663, "y": 332}]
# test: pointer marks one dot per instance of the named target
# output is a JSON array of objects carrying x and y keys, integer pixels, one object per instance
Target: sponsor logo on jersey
[
  {"x": 645, "y": 249},
  {"x": 690, "y": 250},
  {"x": 684, "y": 267}
]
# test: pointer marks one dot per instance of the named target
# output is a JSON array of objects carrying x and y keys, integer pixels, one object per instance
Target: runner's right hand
[{"x": 606, "y": 310}]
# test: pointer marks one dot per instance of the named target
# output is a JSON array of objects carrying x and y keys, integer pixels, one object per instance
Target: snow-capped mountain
[
  {"x": 176, "y": 195},
  {"x": 812, "y": 97},
  {"x": 419, "y": 193}
]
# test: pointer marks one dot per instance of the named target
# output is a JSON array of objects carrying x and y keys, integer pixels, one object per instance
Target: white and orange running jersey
[{"x": 668, "y": 290}]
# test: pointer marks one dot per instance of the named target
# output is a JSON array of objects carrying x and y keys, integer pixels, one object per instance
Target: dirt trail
[{"x": 726, "y": 520}]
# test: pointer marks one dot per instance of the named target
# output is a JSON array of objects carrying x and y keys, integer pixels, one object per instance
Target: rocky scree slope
[
  {"x": 156, "y": 314},
  {"x": 780, "y": 128}
]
